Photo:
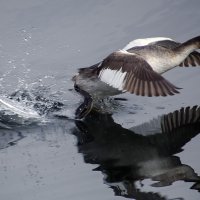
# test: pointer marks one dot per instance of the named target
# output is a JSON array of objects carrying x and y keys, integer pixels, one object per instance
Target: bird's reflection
[{"x": 126, "y": 157}]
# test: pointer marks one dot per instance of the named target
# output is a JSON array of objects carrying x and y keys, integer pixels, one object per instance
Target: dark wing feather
[
  {"x": 179, "y": 118},
  {"x": 138, "y": 76},
  {"x": 192, "y": 60}
]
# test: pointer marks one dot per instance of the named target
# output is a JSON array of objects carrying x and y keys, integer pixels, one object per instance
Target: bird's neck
[{"x": 188, "y": 47}]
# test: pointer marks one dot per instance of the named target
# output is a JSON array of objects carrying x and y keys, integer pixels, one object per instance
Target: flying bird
[{"x": 136, "y": 69}]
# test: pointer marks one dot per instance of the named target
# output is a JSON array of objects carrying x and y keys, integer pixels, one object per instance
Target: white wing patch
[
  {"x": 144, "y": 42},
  {"x": 114, "y": 78}
]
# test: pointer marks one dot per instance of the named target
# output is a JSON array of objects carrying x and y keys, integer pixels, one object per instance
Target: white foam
[
  {"x": 17, "y": 108},
  {"x": 17, "y": 111}
]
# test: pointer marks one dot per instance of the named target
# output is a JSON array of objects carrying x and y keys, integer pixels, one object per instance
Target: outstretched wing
[
  {"x": 192, "y": 60},
  {"x": 129, "y": 72},
  {"x": 180, "y": 118}
]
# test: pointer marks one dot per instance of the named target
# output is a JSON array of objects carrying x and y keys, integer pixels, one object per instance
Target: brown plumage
[
  {"x": 137, "y": 69},
  {"x": 140, "y": 78}
]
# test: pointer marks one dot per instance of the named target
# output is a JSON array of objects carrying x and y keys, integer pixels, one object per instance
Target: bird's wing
[
  {"x": 129, "y": 72},
  {"x": 178, "y": 128},
  {"x": 192, "y": 60},
  {"x": 180, "y": 118}
]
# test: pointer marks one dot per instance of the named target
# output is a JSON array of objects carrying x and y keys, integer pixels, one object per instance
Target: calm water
[{"x": 42, "y": 43}]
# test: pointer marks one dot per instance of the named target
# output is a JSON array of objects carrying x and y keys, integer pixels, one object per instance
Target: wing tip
[
  {"x": 152, "y": 90},
  {"x": 181, "y": 117}
]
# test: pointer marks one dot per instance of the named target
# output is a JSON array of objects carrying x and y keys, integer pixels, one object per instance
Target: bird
[
  {"x": 148, "y": 151},
  {"x": 137, "y": 69}
]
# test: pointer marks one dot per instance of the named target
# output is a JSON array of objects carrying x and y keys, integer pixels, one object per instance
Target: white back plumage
[{"x": 144, "y": 42}]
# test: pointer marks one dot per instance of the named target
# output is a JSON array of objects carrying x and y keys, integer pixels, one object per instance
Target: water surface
[{"x": 42, "y": 43}]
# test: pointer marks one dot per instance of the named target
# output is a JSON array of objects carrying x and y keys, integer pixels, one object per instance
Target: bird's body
[
  {"x": 92, "y": 84},
  {"x": 159, "y": 58},
  {"x": 137, "y": 68}
]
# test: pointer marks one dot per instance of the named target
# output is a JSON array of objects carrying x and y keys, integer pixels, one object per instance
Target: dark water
[{"x": 42, "y": 43}]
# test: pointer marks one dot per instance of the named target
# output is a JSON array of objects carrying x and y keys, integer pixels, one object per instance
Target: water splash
[
  {"x": 27, "y": 106},
  {"x": 12, "y": 112},
  {"x": 39, "y": 98}
]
